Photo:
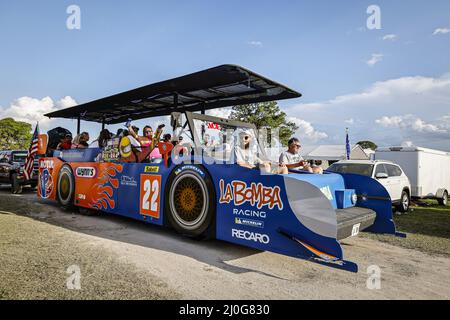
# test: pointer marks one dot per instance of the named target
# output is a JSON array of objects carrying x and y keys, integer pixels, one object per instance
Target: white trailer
[{"x": 428, "y": 170}]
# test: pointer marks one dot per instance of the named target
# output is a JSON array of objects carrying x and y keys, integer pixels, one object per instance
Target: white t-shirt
[
  {"x": 290, "y": 158},
  {"x": 248, "y": 156}
]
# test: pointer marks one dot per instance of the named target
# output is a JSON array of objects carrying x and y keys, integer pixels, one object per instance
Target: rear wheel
[
  {"x": 404, "y": 202},
  {"x": 191, "y": 202},
  {"x": 65, "y": 191},
  {"x": 15, "y": 184},
  {"x": 444, "y": 200}
]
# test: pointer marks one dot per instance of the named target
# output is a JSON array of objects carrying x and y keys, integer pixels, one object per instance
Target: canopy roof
[{"x": 222, "y": 86}]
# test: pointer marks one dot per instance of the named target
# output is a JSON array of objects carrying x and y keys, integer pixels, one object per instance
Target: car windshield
[
  {"x": 19, "y": 157},
  {"x": 356, "y": 168}
]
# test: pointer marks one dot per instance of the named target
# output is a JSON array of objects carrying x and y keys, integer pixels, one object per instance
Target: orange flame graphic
[{"x": 103, "y": 192}]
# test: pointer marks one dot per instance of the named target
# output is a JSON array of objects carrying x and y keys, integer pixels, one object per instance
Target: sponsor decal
[
  {"x": 250, "y": 236},
  {"x": 213, "y": 126},
  {"x": 151, "y": 169},
  {"x": 327, "y": 192},
  {"x": 46, "y": 164},
  {"x": 257, "y": 194},
  {"x": 191, "y": 167},
  {"x": 45, "y": 184},
  {"x": 249, "y": 222},
  {"x": 71, "y": 155},
  {"x": 250, "y": 213},
  {"x": 81, "y": 196},
  {"x": 128, "y": 181},
  {"x": 85, "y": 172}
]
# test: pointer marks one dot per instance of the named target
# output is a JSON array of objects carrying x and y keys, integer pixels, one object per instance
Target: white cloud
[
  {"x": 376, "y": 57},
  {"x": 427, "y": 98},
  {"x": 306, "y": 130},
  {"x": 220, "y": 112},
  {"x": 349, "y": 121},
  {"x": 407, "y": 143},
  {"x": 411, "y": 122},
  {"x": 255, "y": 43},
  {"x": 441, "y": 31},
  {"x": 66, "y": 102},
  {"x": 390, "y": 37},
  {"x": 32, "y": 110}
]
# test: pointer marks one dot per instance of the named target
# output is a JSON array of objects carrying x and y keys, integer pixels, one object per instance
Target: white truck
[{"x": 428, "y": 170}]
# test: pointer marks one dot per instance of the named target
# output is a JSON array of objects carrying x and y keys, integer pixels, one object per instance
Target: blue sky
[{"x": 320, "y": 48}]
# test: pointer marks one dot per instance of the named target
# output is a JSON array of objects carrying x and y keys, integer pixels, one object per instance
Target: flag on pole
[
  {"x": 347, "y": 144},
  {"x": 29, "y": 162}
]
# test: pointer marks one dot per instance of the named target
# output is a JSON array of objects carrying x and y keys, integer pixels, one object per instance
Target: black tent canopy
[{"x": 218, "y": 87}]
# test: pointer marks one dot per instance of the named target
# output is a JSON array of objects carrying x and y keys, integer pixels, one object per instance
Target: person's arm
[{"x": 131, "y": 131}]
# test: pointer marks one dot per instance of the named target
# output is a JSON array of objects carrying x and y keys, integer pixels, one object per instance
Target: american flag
[{"x": 29, "y": 162}]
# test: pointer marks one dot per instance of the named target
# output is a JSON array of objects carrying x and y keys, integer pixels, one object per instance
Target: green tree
[
  {"x": 367, "y": 145},
  {"x": 14, "y": 134},
  {"x": 266, "y": 115}
]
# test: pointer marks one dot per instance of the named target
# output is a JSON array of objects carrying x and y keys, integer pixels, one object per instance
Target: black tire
[
  {"x": 444, "y": 200},
  {"x": 33, "y": 185},
  {"x": 190, "y": 203},
  {"x": 16, "y": 187},
  {"x": 405, "y": 201},
  {"x": 65, "y": 190}
]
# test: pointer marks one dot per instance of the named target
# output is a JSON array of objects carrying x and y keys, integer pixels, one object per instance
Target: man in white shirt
[{"x": 291, "y": 157}]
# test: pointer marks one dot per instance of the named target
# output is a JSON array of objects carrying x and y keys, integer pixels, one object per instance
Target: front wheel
[
  {"x": 444, "y": 200},
  {"x": 16, "y": 187},
  {"x": 404, "y": 202},
  {"x": 191, "y": 202}
]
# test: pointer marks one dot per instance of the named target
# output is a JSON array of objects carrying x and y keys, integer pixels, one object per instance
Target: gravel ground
[{"x": 122, "y": 258}]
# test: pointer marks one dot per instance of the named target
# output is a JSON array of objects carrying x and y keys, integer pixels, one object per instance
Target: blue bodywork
[{"x": 288, "y": 214}]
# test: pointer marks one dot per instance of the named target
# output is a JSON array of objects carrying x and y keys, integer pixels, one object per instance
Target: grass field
[{"x": 427, "y": 227}]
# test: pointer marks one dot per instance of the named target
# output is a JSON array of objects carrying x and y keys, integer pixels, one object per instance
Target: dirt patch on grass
[{"x": 35, "y": 256}]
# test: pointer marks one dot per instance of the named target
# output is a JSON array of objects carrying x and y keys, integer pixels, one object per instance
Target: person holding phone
[{"x": 292, "y": 159}]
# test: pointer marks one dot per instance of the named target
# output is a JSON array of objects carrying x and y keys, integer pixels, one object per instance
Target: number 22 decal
[{"x": 150, "y": 195}]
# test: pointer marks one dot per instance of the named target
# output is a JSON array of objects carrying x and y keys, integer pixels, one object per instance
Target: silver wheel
[
  {"x": 444, "y": 200},
  {"x": 405, "y": 202},
  {"x": 403, "y": 206}
]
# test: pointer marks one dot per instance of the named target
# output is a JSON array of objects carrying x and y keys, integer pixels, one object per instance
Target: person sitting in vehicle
[
  {"x": 291, "y": 157},
  {"x": 245, "y": 157},
  {"x": 102, "y": 139},
  {"x": 80, "y": 141},
  {"x": 65, "y": 143},
  {"x": 180, "y": 149}
]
